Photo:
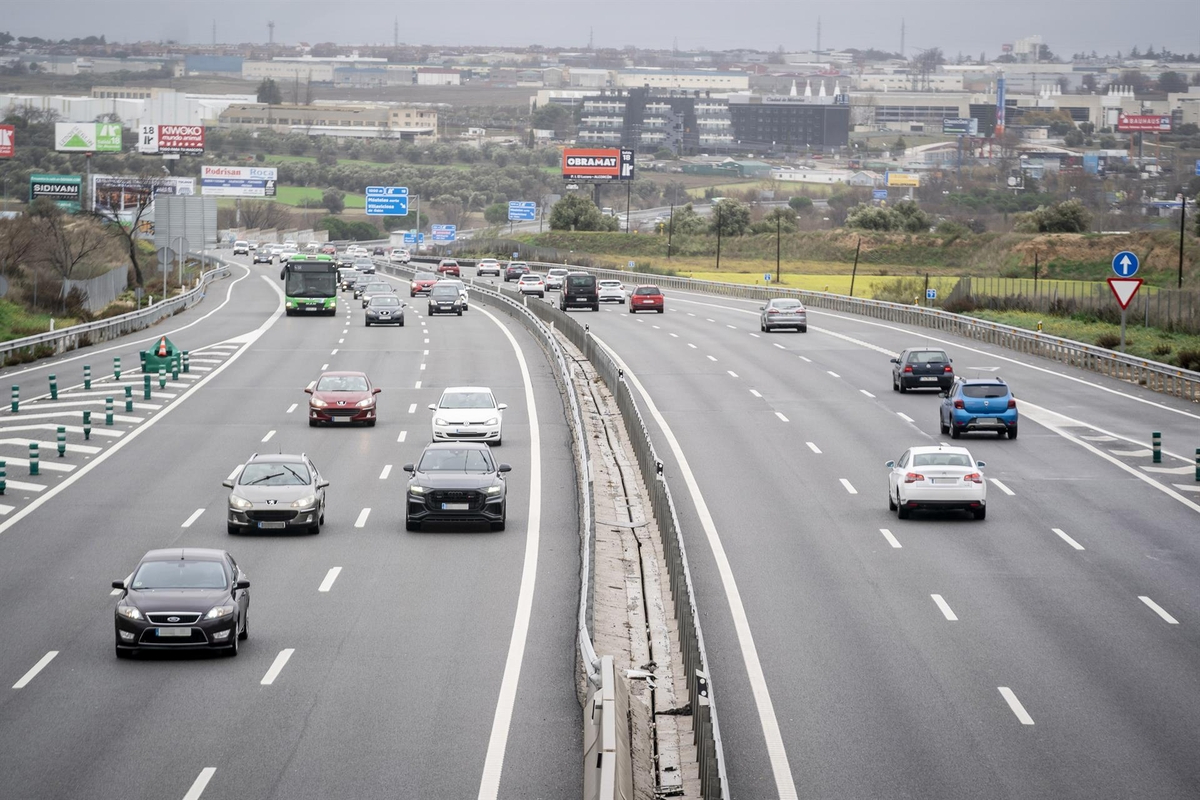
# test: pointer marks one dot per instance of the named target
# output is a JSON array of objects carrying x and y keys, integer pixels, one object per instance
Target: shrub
[
  {"x": 1162, "y": 349},
  {"x": 1188, "y": 359},
  {"x": 1109, "y": 341},
  {"x": 901, "y": 291}
]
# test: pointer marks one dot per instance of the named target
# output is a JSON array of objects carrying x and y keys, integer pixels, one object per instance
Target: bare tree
[
  {"x": 122, "y": 208},
  {"x": 449, "y": 210},
  {"x": 265, "y": 214},
  {"x": 68, "y": 243},
  {"x": 18, "y": 240}
]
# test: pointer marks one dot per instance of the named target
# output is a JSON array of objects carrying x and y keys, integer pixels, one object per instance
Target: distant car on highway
[
  {"x": 329, "y": 250},
  {"x": 422, "y": 283},
  {"x": 275, "y": 249},
  {"x": 347, "y": 277},
  {"x": 456, "y": 482},
  {"x": 978, "y": 404},
  {"x": 364, "y": 265},
  {"x": 922, "y": 368},
  {"x": 399, "y": 256},
  {"x": 183, "y": 598},
  {"x": 448, "y": 266},
  {"x": 579, "y": 289},
  {"x": 379, "y": 251},
  {"x": 610, "y": 291},
  {"x": 647, "y": 297},
  {"x": 276, "y": 492},
  {"x": 783, "y": 312},
  {"x": 554, "y": 278},
  {"x": 263, "y": 255},
  {"x": 937, "y": 478},
  {"x": 342, "y": 397},
  {"x": 468, "y": 413},
  {"x": 286, "y": 255},
  {"x": 462, "y": 290},
  {"x": 375, "y": 288},
  {"x": 531, "y": 283},
  {"x": 384, "y": 309},
  {"x": 487, "y": 266},
  {"x": 515, "y": 270},
  {"x": 445, "y": 299},
  {"x": 241, "y": 248}
]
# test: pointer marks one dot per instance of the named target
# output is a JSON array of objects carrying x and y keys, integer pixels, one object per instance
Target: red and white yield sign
[{"x": 1124, "y": 289}]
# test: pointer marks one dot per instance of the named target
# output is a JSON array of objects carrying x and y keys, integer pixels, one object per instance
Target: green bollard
[
  {"x": 53, "y": 387},
  {"x": 3, "y": 476},
  {"x": 87, "y": 425},
  {"x": 1156, "y": 444},
  {"x": 62, "y": 441},
  {"x": 186, "y": 367},
  {"x": 116, "y": 368},
  {"x": 145, "y": 387},
  {"x": 87, "y": 377},
  {"x": 162, "y": 377},
  {"x": 142, "y": 357},
  {"x": 16, "y": 399},
  {"x": 108, "y": 410},
  {"x": 128, "y": 398},
  {"x": 33, "y": 458}
]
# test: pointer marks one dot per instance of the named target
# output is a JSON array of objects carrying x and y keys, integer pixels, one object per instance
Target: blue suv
[{"x": 978, "y": 404}]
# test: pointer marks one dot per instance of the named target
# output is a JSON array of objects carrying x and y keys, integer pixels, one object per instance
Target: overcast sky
[{"x": 967, "y": 26}]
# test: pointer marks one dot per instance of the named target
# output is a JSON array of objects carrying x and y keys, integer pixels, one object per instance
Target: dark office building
[{"x": 765, "y": 121}]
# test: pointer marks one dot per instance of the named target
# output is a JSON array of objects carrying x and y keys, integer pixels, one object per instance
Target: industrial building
[{"x": 356, "y": 120}]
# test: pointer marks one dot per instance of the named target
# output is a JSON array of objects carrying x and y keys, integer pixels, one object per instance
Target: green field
[
  {"x": 296, "y": 195},
  {"x": 864, "y": 285}
]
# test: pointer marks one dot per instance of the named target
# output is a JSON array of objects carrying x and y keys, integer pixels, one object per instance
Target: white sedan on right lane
[
  {"x": 938, "y": 479},
  {"x": 468, "y": 413}
]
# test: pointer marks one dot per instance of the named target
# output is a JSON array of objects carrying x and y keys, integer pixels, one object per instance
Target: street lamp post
[{"x": 717, "y": 210}]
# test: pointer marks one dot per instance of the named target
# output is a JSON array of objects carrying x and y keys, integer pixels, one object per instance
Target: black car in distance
[
  {"x": 183, "y": 598},
  {"x": 384, "y": 309},
  {"x": 922, "y": 368},
  {"x": 456, "y": 482},
  {"x": 445, "y": 299}
]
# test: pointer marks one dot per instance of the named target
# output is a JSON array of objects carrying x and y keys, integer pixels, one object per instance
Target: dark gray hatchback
[{"x": 922, "y": 368}]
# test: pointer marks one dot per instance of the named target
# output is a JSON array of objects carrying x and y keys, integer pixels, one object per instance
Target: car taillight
[
  {"x": 1012, "y": 402},
  {"x": 973, "y": 477},
  {"x": 772, "y": 311},
  {"x": 959, "y": 404},
  {"x": 913, "y": 477},
  {"x": 908, "y": 369},
  {"x": 948, "y": 368}
]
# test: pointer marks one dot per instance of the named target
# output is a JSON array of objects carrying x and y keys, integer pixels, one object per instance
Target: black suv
[
  {"x": 579, "y": 289},
  {"x": 456, "y": 482}
]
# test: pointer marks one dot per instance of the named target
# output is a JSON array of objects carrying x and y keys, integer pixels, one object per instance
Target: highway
[
  {"x": 377, "y": 659},
  {"x": 1048, "y": 651}
]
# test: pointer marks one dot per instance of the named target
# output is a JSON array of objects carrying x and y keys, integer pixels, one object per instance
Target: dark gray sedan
[
  {"x": 384, "y": 309},
  {"x": 783, "y": 313}
]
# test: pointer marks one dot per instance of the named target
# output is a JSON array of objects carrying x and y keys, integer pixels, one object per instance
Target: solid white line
[
  {"x": 710, "y": 358},
  {"x": 200, "y": 783},
  {"x": 892, "y": 540},
  {"x": 780, "y": 768},
  {"x": 277, "y": 666},
  {"x": 1157, "y": 609},
  {"x": 905, "y": 417},
  {"x": 361, "y": 522},
  {"x": 387, "y": 470},
  {"x": 330, "y": 577},
  {"x": 1002, "y": 487},
  {"x": 868, "y": 394},
  {"x": 38, "y": 667},
  {"x": 813, "y": 447},
  {"x": 691, "y": 345},
  {"x": 945, "y": 607},
  {"x": 403, "y": 435},
  {"x": 493, "y": 764},
  {"x": 732, "y": 374},
  {"x": 187, "y": 523},
  {"x": 1015, "y": 705},
  {"x": 412, "y": 409},
  {"x": 805, "y": 358},
  {"x": 781, "y": 416},
  {"x": 267, "y": 438},
  {"x": 1067, "y": 539},
  {"x": 849, "y": 488},
  {"x": 755, "y": 393},
  {"x": 834, "y": 374},
  {"x": 292, "y": 407}
]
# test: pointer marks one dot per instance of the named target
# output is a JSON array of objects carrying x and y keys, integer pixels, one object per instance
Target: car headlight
[
  {"x": 240, "y": 503},
  {"x": 305, "y": 501},
  {"x": 219, "y": 611},
  {"x": 129, "y": 612},
  {"x": 317, "y": 402},
  {"x": 290, "y": 304},
  {"x": 370, "y": 401},
  {"x": 493, "y": 421},
  {"x": 440, "y": 421},
  {"x": 417, "y": 489},
  {"x": 493, "y": 489}
]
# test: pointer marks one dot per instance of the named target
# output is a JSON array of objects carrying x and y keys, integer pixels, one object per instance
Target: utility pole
[
  {"x": 854, "y": 270},
  {"x": 901, "y": 37},
  {"x": 1182, "y": 225},
  {"x": 778, "y": 228},
  {"x": 628, "y": 198},
  {"x": 670, "y": 229},
  {"x": 717, "y": 210}
]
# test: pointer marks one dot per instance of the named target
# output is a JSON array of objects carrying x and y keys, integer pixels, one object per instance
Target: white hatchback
[
  {"x": 939, "y": 479},
  {"x": 468, "y": 413},
  {"x": 531, "y": 283},
  {"x": 555, "y": 277},
  {"x": 610, "y": 291}
]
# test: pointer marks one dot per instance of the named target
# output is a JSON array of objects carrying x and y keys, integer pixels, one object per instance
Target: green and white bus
[{"x": 310, "y": 284}]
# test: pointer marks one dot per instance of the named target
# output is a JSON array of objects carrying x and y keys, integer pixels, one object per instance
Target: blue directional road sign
[
  {"x": 879, "y": 194},
  {"x": 522, "y": 211},
  {"x": 391, "y": 201},
  {"x": 1198, "y": 166},
  {"x": 412, "y": 237},
  {"x": 1125, "y": 264},
  {"x": 931, "y": 294},
  {"x": 444, "y": 233}
]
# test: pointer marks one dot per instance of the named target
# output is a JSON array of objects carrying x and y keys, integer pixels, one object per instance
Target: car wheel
[
  {"x": 312, "y": 423},
  {"x": 622, "y": 302},
  {"x": 498, "y": 441},
  {"x": 895, "y": 386},
  {"x": 661, "y": 310},
  {"x": 762, "y": 327},
  {"x": 233, "y": 530},
  {"x": 891, "y": 502},
  {"x": 804, "y": 329},
  {"x": 409, "y": 525},
  {"x": 954, "y": 432},
  {"x": 943, "y": 426},
  {"x": 123, "y": 653},
  {"x": 371, "y": 423},
  {"x": 980, "y": 513},
  {"x": 631, "y": 311},
  {"x": 401, "y": 323},
  {"x": 903, "y": 388},
  {"x": 368, "y": 323},
  {"x": 902, "y": 512},
  {"x": 1012, "y": 432},
  {"x": 245, "y": 634},
  {"x": 595, "y": 306}
]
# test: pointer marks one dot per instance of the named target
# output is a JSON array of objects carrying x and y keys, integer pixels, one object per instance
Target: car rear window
[
  {"x": 927, "y": 357},
  {"x": 941, "y": 460},
  {"x": 647, "y": 290},
  {"x": 342, "y": 383},
  {"x": 581, "y": 281},
  {"x": 180, "y": 574},
  {"x": 984, "y": 390},
  {"x": 787, "y": 305},
  {"x": 274, "y": 474}
]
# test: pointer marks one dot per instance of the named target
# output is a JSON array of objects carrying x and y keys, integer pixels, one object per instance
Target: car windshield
[
  {"x": 927, "y": 357},
  {"x": 310, "y": 284},
  {"x": 363, "y": 262},
  {"x": 941, "y": 460},
  {"x": 647, "y": 290},
  {"x": 425, "y": 276},
  {"x": 385, "y": 300},
  {"x": 449, "y": 263},
  {"x": 180, "y": 574},
  {"x": 444, "y": 291},
  {"x": 786, "y": 305},
  {"x": 985, "y": 390},
  {"x": 467, "y": 400},
  {"x": 380, "y": 288},
  {"x": 455, "y": 460},
  {"x": 342, "y": 383},
  {"x": 274, "y": 474}
]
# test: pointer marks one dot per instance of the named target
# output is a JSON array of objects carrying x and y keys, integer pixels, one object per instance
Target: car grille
[
  {"x": 475, "y": 500},
  {"x": 173, "y": 618},
  {"x": 150, "y": 636},
  {"x": 465, "y": 434},
  {"x": 342, "y": 412},
  {"x": 270, "y": 516}
]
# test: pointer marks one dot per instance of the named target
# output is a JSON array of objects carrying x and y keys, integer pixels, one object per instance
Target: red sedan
[
  {"x": 646, "y": 298},
  {"x": 422, "y": 282},
  {"x": 448, "y": 266},
  {"x": 342, "y": 398}
]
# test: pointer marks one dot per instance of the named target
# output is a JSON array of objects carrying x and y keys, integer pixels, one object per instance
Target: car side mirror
[
  {"x": 433, "y": 406},
  {"x": 242, "y": 584},
  {"x": 943, "y": 394},
  {"x": 890, "y": 464},
  {"x": 981, "y": 464},
  {"x": 227, "y": 484},
  {"x": 504, "y": 468},
  {"x": 118, "y": 584},
  {"x": 376, "y": 390},
  {"x": 322, "y": 484},
  {"x": 502, "y": 406},
  {"x": 408, "y": 468},
  {"x": 895, "y": 360},
  {"x": 308, "y": 390},
  {"x": 951, "y": 360}
]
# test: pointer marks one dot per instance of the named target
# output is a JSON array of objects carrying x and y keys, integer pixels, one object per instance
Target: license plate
[
  {"x": 272, "y": 525},
  {"x": 945, "y": 481},
  {"x": 341, "y": 419},
  {"x": 929, "y": 379},
  {"x": 987, "y": 421},
  {"x": 164, "y": 633},
  {"x": 455, "y": 506},
  {"x": 311, "y": 308}
]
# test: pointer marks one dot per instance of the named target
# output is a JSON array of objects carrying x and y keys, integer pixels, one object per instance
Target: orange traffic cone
[{"x": 162, "y": 347}]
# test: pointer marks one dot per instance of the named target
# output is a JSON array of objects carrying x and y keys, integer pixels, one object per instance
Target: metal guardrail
[{"x": 91, "y": 333}]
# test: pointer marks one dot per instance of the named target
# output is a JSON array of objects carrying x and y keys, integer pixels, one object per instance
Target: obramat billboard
[{"x": 607, "y": 164}]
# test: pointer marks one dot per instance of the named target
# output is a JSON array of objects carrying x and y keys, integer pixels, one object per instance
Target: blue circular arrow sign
[{"x": 1125, "y": 264}]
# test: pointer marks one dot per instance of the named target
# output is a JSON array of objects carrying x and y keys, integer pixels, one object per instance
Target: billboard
[
  {"x": 608, "y": 164},
  {"x": 238, "y": 181},
  {"x": 8, "y": 141},
  {"x": 62, "y": 189},
  {"x": 960, "y": 126},
  {"x": 87, "y": 137},
  {"x": 903, "y": 179},
  {"x": 1147, "y": 123},
  {"x": 116, "y": 194},
  {"x": 171, "y": 139}
]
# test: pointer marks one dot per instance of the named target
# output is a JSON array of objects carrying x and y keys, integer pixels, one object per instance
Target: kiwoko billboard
[
  {"x": 238, "y": 181},
  {"x": 171, "y": 139},
  {"x": 607, "y": 164}
]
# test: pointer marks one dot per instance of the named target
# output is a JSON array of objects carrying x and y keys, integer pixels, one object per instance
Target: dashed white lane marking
[
  {"x": 806, "y": 359},
  {"x": 777, "y": 344},
  {"x": 732, "y": 374},
  {"x": 418, "y": 386},
  {"x": 38, "y": 667},
  {"x": 341, "y": 341},
  {"x": 1067, "y": 539},
  {"x": 403, "y": 435},
  {"x": 756, "y": 336},
  {"x": 387, "y": 470},
  {"x": 674, "y": 335},
  {"x": 412, "y": 409},
  {"x": 781, "y": 416},
  {"x": 362, "y": 518},
  {"x": 277, "y": 666},
  {"x": 656, "y": 327},
  {"x": 711, "y": 358},
  {"x": 868, "y": 394},
  {"x": 200, "y": 783},
  {"x": 945, "y": 607},
  {"x": 755, "y": 393},
  {"x": 426, "y": 353},
  {"x": 892, "y": 540},
  {"x": 849, "y": 487},
  {"x": 330, "y": 577},
  {"x": 187, "y": 523},
  {"x": 423, "y": 366},
  {"x": 426, "y": 341},
  {"x": 834, "y": 374},
  {"x": 1002, "y": 487},
  {"x": 1157, "y": 609},
  {"x": 691, "y": 345},
  {"x": 812, "y": 446},
  {"x": 334, "y": 353},
  {"x": 115, "y": 592},
  {"x": 346, "y": 330},
  {"x": 731, "y": 327},
  {"x": 904, "y": 416},
  {"x": 323, "y": 368},
  {"x": 267, "y": 438},
  {"x": 709, "y": 320},
  {"x": 1015, "y": 705},
  {"x": 690, "y": 314},
  {"x": 292, "y": 407}
]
